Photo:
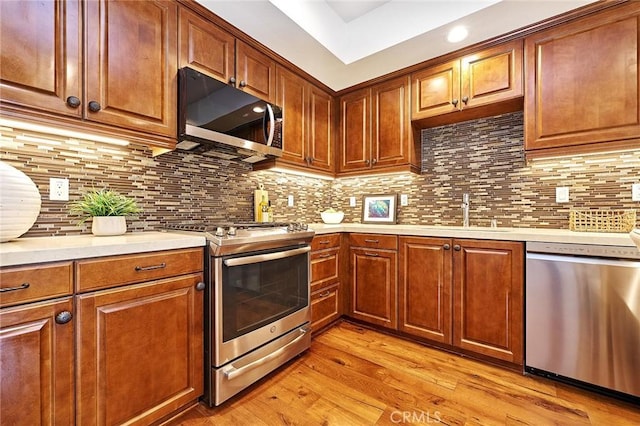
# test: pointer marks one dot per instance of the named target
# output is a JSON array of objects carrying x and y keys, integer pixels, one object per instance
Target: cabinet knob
[
  {"x": 94, "y": 106},
  {"x": 243, "y": 83},
  {"x": 457, "y": 247},
  {"x": 232, "y": 81},
  {"x": 200, "y": 286},
  {"x": 374, "y": 161},
  {"x": 63, "y": 317},
  {"x": 465, "y": 99},
  {"x": 73, "y": 101},
  {"x": 446, "y": 247},
  {"x": 454, "y": 102},
  {"x": 367, "y": 162}
]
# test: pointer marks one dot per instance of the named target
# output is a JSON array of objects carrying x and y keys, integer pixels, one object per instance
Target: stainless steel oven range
[{"x": 257, "y": 311}]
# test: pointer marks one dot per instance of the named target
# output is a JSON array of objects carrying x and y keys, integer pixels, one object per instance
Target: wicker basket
[{"x": 587, "y": 220}]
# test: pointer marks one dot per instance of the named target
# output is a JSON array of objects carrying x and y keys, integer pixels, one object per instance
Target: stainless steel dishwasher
[{"x": 583, "y": 315}]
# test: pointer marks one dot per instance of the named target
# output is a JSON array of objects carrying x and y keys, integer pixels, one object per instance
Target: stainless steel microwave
[{"x": 216, "y": 117}]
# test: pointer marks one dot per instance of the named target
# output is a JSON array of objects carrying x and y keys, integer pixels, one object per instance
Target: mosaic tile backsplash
[{"x": 482, "y": 157}]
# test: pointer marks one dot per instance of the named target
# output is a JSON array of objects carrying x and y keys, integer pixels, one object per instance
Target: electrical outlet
[
  {"x": 635, "y": 192},
  {"x": 59, "y": 189},
  {"x": 404, "y": 200},
  {"x": 290, "y": 201},
  {"x": 562, "y": 194},
  {"x": 352, "y": 201}
]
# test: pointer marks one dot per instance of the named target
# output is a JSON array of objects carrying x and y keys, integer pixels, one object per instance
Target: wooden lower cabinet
[
  {"x": 325, "y": 306},
  {"x": 325, "y": 260},
  {"x": 373, "y": 279},
  {"x": 36, "y": 361},
  {"x": 140, "y": 351},
  {"x": 465, "y": 293}
]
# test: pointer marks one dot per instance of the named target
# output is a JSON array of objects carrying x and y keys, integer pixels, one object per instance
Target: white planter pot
[
  {"x": 103, "y": 226},
  {"x": 19, "y": 202}
]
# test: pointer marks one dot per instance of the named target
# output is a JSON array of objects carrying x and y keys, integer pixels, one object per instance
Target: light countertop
[
  {"x": 48, "y": 249},
  {"x": 505, "y": 234}
]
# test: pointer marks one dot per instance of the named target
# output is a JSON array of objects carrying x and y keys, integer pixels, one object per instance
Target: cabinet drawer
[
  {"x": 324, "y": 268},
  {"x": 23, "y": 284},
  {"x": 325, "y": 306},
  {"x": 104, "y": 272},
  {"x": 321, "y": 242},
  {"x": 389, "y": 242}
]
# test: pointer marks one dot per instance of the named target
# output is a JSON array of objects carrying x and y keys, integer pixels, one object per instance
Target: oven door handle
[
  {"x": 239, "y": 261},
  {"x": 235, "y": 372}
]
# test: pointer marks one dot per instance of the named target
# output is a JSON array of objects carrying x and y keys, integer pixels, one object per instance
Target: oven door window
[{"x": 256, "y": 292}]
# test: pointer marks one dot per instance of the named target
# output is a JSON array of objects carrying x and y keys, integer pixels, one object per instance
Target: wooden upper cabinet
[
  {"x": 307, "y": 122},
  {"x": 131, "y": 64},
  {"x": 376, "y": 132},
  {"x": 583, "y": 82},
  {"x": 41, "y": 54},
  {"x": 255, "y": 72},
  {"x": 483, "y": 78},
  {"x": 204, "y": 46}
]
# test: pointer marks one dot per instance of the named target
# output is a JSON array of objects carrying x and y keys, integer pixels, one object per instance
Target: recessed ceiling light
[{"x": 457, "y": 34}]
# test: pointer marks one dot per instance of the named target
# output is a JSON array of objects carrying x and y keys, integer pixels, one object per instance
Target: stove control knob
[
  {"x": 291, "y": 227},
  {"x": 232, "y": 231},
  {"x": 219, "y": 232},
  {"x": 304, "y": 226}
]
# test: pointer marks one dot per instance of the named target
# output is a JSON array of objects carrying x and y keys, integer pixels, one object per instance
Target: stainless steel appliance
[
  {"x": 583, "y": 315},
  {"x": 257, "y": 302},
  {"x": 217, "y": 118}
]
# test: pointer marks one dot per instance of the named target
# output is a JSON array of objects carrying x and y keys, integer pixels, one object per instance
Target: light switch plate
[
  {"x": 635, "y": 192},
  {"x": 562, "y": 194},
  {"x": 290, "y": 201},
  {"x": 352, "y": 201},
  {"x": 59, "y": 189},
  {"x": 404, "y": 200}
]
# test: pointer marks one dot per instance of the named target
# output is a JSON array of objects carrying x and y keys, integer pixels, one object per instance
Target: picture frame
[{"x": 379, "y": 208}]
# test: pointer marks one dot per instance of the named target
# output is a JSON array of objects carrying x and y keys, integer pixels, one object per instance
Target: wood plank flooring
[{"x": 357, "y": 376}]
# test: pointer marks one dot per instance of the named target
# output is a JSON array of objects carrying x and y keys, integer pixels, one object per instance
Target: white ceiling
[{"x": 346, "y": 42}]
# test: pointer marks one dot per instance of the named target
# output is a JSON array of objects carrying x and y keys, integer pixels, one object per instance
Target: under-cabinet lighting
[
  {"x": 62, "y": 132},
  {"x": 604, "y": 156},
  {"x": 299, "y": 173},
  {"x": 37, "y": 140}
]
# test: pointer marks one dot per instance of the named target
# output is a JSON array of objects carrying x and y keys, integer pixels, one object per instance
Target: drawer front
[
  {"x": 388, "y": 242},
  {"x": 321, "y": 242},
  {"x": 325, "y": 307},
  {"x": 22, "y": 284},
  {"x": 324, "y": 268},
  {"x": 113, "y": 271}
]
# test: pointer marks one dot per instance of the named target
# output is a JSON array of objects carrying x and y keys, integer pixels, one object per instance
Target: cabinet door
[
  {"x": 320, "y": 129},
  {"x": 255, "y": 72},
  {"x": 204, "y": 46},
  {"x": 492, "y": 75},
  {"x": 583, "y": 81},
  {"x": 292, "y": 99},
  {"x": 436, "y": 90},
  {"x": 488, "y": 298},
  {"x": 391, "y": 127},
  {"x": 140, "y": 351},
  {"x": 424, "y": 288},
  {"x": 131, "y": 70},
  {"x": 355, "y": 123},
  {"x": 373, "y": 286},
  {"x": 41, "y": 54},
  {"x": 36, "y": 355}
]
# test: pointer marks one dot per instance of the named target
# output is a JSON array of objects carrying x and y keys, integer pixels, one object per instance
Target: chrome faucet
[{"x": 465, "y": 210}]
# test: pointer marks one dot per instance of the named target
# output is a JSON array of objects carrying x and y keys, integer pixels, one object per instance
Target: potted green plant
[{"x": 107, "y": 209}]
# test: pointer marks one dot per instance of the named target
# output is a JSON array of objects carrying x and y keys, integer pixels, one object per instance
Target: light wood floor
[{"x": 356, "y": 376}]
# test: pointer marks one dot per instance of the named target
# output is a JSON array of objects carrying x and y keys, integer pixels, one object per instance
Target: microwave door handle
[
  {"x": 239, "y": 261},
  {"x": 272, "y": 128}
]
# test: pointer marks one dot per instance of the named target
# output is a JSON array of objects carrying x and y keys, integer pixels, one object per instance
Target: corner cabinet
[
  {"x": 307, "y": 128},
  {"x": 375, "y": 130},
  {"x": 139, "y": 336},
  {"x": 129, "y": 68},
  {"x": 373, "y": 263},
  {"x": 583, "y": 83},
  {"x": 465, "y": 293},
  {"x": 484, "y": 78}
]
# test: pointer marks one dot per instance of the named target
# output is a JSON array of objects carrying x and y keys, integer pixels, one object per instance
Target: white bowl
[{"x": 329, "y": 217}]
